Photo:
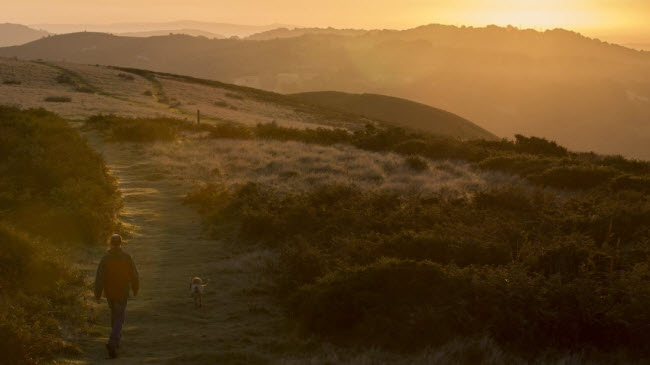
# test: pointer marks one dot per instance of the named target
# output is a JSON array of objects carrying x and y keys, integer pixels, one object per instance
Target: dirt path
[{"x": 238, "y": 323}]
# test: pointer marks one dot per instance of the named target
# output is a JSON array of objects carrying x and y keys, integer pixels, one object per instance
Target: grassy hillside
[
  {"x": 89, "y": 90},
  {"x": 16, "y": 34},
  {"x": 586, "y": 94},
  {"x": 56, "y": 194},
  {"x": 377, "y": 245},
  {"x": 398, "y": 112}
]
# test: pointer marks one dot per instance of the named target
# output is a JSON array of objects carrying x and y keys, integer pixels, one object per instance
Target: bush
[
  {"x": 539, "y": 146},
  {"x": 416, "y": 163},
  {"x": 126, "y": 77},
  {"x": 575, "y": 177},
  {"x": 65, "y": 78},
  {"x": 58, "y": 99},
  {"x": 11, "y": 82},
  {"x": 234, "y": 96},
  {"x": 52, "y": 182},
  {"x": 527, "y": 267},
  {"x": 56, "y": 188}
]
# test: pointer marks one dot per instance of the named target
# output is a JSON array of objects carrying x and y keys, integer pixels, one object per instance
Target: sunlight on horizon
[{"x": 593, "y": 17}]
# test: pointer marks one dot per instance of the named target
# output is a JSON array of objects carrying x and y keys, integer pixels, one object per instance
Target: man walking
[{"x": 116, "y": 272}]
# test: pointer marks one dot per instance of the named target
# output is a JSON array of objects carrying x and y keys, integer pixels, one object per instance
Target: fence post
[{"x": 198, "y": 116}]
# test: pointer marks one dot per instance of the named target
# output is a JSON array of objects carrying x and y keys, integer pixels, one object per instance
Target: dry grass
[{"x": 295, "y": 166}]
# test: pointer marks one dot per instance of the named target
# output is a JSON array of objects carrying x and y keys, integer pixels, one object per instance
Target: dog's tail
[{"x": 206, "y": 282}]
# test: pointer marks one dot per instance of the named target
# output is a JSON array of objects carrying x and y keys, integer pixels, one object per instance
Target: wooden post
[{"x": 198, "y": 116}]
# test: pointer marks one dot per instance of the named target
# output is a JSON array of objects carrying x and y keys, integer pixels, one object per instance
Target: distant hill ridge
[
  {"x": 17, "y": 34},
  {"x": 582, "y": 92},
  {"x": 157, "y": 33}
]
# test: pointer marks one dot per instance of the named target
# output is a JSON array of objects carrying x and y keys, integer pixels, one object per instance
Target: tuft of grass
[
  {"x": 58, "y": 99},
  {"x": 234, "y": 96},
  {"x": 125, "y": 76}
]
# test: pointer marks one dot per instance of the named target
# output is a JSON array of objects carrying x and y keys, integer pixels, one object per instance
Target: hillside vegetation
[
  {"x": 56, "y": 194},
  {"x": 581, "y": 92},
  {"x": 556, "y": 260}
]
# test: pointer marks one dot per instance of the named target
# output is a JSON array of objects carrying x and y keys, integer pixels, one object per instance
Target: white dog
[{"x": 196, "y": 290}]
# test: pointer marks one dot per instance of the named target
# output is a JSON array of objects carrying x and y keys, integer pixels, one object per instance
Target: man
[{"x": 114, "y": 274}]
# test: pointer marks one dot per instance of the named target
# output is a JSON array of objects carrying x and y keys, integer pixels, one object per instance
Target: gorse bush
[
  {"x": 53, "y": 184},
  {"x": 531, "y": 269},
  {"x": 55, "y": 191}
]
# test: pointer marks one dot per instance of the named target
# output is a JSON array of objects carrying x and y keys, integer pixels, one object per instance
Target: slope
[
  {"x": 399, "y": 112},
  {"x": 16, "y": 34},
  {"x": 132, "y": 92}
]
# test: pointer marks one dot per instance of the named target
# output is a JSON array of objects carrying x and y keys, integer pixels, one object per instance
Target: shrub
[
  {"x": 54, "y": 186},
  {"x": 528, "y": 268},
  {"x": 84, "y": 89},
  {"x": 575, "y": 177},
  {"x": 58, "y": 99},
  {"x": 539, "y": 146},
  {"x": 416, "y": 163},
  {"x": 11, "y": 82},
  {"x": 125, "y": 76},
  {"x": 65, "y": 78},
  {"x": 234, "y": 96}
]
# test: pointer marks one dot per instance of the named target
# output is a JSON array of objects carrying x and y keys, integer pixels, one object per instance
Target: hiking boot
[{"x": 112, "y": 350}]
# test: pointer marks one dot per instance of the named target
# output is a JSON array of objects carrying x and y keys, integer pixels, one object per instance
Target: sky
[{"x": 604, "y": 16}]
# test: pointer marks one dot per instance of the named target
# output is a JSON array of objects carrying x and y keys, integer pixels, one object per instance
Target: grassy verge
[{"x": 55, "y": 192}]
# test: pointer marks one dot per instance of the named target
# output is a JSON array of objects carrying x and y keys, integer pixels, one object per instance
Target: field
[{"x": 325, "y": 239}]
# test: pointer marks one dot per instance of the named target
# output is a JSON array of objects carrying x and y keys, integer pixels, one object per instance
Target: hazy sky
[{"x": 623, "y": 15}]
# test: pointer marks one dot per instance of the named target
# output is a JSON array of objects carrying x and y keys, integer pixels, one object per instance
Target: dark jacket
[{"x": 114, "y": 274}]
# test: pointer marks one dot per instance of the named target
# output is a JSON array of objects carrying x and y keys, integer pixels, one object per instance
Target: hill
[
  {"x": 225, "y": 29},
  {"x": 131, "y": 92},
  {"x": 157, "y": 33},
  {"x": 584, "y": 93},
  {"x": 16, "y": 34},
  {"x": 399, "y": 112},
  {"x": 297, "y": 32},
  {"x": 356, "y": 244}
]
